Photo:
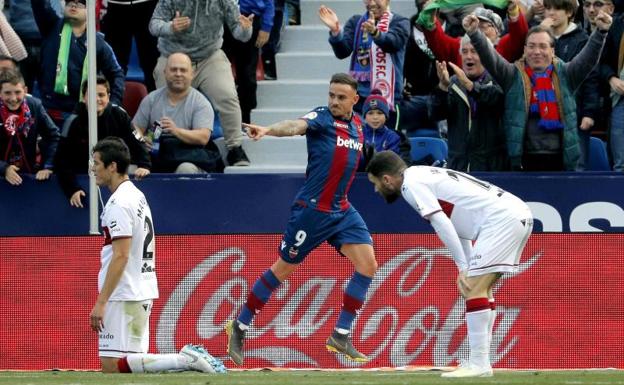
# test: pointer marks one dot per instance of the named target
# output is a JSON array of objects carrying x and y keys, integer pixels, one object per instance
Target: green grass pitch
[{"x": 299, "y": 377}]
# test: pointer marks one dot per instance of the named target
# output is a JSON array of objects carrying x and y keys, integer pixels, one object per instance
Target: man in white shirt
[
  {"x": 462, "y": 210},
  {"x": 127, "y": 279}
]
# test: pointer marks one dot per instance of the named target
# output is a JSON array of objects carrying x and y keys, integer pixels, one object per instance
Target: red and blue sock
[
  {"x": 354, "y": 297},
  {"x": 258, "y": 296}
]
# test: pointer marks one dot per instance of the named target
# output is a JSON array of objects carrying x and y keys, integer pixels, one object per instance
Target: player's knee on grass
[{"x": 109, "y": 364}]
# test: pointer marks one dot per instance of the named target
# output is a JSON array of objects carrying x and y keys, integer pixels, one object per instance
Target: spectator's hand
[
  {"x": 470, "y": 23},
  {"x": 43, "y": 174},
  {"x": 97, "y": 316},
  {"x": 443, "y": 75},
  {"x": 141, "y": 173},
  {"x": 263, "y": 37},
  {"x": 537, "y": 9},
  {"x": 603, "y": 21},
  {"x": 369, "y": 25},
  {"x": 12, "y": 176},
  {"x": 617, "y": 85},
  {"x": 246, "y": 21},
  {"x": 255, "y": 132},
  {"x": 461, "y": 76},
  {"x": 76, "y": 199},
  {"x": 547, "y": 22},
  {"x": 513, "y": 10},
  {"x": 330, "y": 19},
  {"x": 587, "y": 123},
  {"x": 179, "y": 23},
  {"x": 462, "y": 284},
  {"x": 169, "y": 126}
]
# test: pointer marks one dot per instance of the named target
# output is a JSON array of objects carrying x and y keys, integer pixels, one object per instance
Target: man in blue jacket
[
  {"x": 63, "y": 58},
  {"x": 376, "y": 42}
]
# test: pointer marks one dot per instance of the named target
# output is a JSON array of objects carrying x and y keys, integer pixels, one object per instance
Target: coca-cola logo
[{"x": 391, "y": 323}]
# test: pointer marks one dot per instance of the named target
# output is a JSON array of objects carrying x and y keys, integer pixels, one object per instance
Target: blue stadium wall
[{"x": 260, "y": 204}]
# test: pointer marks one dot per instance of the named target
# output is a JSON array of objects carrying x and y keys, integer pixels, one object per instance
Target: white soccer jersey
[
  {"x": 466, "y": 200},
  {"x": 127, "y": 214}
]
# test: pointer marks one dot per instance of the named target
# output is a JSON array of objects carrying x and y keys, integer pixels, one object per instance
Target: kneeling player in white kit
[
  {"x": 127, "y": 279},
  {"x": 463, "y": 209}
]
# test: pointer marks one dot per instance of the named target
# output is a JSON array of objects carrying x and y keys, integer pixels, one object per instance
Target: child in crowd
[{"x": 377, "y": 136}]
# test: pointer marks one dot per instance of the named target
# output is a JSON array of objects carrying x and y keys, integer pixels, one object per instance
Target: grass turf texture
[{"x": 593, "y": 377}]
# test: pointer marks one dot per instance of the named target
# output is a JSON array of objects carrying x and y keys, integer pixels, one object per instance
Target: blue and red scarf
[
  {"x": 16, "y": 124},
  {"x": 544, "y": 100},
  {"x": 360, "y": 59}
]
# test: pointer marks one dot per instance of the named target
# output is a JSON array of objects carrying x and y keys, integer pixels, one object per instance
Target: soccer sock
[
  {"x": 354, "y": 297},
  {"x": 492, "y": 319},
  {"x": 478, "y": 321},
  {"x": 153, "y": 363},
  {"x": 258, "y": 296}
]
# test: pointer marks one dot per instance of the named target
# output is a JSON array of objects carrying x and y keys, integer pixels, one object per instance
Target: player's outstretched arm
[{"x": 283, "y": 128}]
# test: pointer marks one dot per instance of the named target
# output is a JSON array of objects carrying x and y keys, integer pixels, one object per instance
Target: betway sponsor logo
[{"x": 349, "y": 143}]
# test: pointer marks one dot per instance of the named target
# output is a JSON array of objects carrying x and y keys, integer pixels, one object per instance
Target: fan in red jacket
[{"x": 510, "y": 46}]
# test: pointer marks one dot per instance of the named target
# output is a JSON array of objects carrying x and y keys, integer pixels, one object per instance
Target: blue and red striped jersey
[{"x": 334, "y": 148}]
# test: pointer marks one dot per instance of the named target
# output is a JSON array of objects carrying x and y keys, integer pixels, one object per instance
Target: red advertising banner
[{"x": 564, "y": 309}]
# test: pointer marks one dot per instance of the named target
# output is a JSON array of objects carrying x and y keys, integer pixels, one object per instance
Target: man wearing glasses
[
  {"x": 63, "y": 58},
  {"x": 591, "y": 9}
]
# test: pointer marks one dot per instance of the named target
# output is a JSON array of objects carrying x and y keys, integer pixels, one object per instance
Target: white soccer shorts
[
  {"x": 499, "y": 246},
  {"x": 126, "y": 328}
]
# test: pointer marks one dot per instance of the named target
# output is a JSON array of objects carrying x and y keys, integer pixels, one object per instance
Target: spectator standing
[
  {"x": 612, "y": 72},
  {"x": 473, "y": 105},
  {"x": 185, "y": 117},
  {"x": 540, "y": 110},
  {"x": 569, "y": 41},
  {"x": 244, "y": 55},
  {"x": 22, "y": 120},
  {"x": 135, "y": 17},
  {"x": 375, "y": 42},
  {"x": 72, "y": 156},
  {"x": 64, "y": 65},
  {"x": 22, "y": 19},
  {"x": 195, "y": 27},
  {"x": 446, "y": 48}
]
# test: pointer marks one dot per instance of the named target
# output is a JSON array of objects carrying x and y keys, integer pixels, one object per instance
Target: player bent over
[
  {"x": 127, "y": 279},
  {"x": 463, "y": 209},
  {"x": 321, "y": 212}
]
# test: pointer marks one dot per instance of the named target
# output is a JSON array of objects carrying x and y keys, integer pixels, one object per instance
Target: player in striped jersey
[
  {"x": 321, "y": 212},
  {"x": 463, "y": 209}
]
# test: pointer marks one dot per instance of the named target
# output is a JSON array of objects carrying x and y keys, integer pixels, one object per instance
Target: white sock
[
  {"x": 153, "y": 363},
  {"x": 478, "y": 337}
]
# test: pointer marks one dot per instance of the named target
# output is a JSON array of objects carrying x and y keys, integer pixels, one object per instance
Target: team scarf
[
  {"x": 60, "y": 83},
  {"x": 370, "y": 63},
  {"x": 16, "y": 124},
  {"x": 544, "y": 100}
]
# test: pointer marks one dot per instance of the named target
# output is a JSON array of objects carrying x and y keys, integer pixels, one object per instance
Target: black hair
[
  {"x": 114, "y": 149},
  {"x": 385, "y": 163}
]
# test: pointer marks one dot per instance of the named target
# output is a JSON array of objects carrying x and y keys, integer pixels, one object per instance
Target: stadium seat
[
  {"x": 424, "y": 132},
  {"x": 598, "y": 159},
  {"x": 423, "y": 146},
  {"x": 133, "y": 94}
]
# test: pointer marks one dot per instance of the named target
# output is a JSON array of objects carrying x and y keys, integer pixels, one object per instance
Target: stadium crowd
[{"x": 521, "y": 86}]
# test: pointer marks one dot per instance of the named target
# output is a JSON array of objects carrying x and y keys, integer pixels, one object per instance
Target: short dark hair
[
  {"x": 99, "y": 79},
  {"x": 342, "y": 78},
  {"x": 385, "y": 163},
  {"x": 114, "y": 149},
  {"x": 566, "y": 5},
  {"x": 9, "y": 58},
  {"x": 540, "y": 29},
  {"x": 13, "y": 76}
]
